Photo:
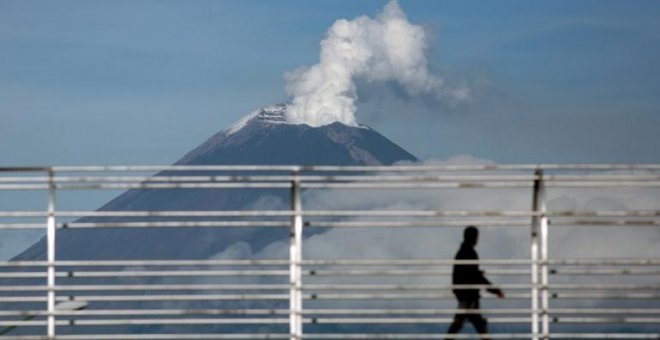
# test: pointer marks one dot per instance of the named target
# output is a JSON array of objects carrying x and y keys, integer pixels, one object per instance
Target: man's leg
[
  {"x": 459, "y": 319},
  {"x": 478, "y": 321}
]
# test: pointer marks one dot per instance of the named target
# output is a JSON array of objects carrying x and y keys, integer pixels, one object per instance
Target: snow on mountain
[{"x": 274, "y": 114}]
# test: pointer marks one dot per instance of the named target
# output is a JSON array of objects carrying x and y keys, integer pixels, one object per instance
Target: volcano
[{"x": 263, "y": 137}]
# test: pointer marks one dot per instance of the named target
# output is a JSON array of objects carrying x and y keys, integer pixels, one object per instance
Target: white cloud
[{"x": 387, "y": 48}]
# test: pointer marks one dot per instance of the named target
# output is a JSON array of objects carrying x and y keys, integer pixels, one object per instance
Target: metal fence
[{"x": 332, "y": 298}]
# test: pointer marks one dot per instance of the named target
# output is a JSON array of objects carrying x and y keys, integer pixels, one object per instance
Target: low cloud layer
[
  {"x": 497, "y": 242},
  {"x": 502, "y": 242}
]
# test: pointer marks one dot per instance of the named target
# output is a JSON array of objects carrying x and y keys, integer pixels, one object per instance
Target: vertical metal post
[
  {"x": 543, "y": 224},
  {"x": 540, "y": 226},
  {"x": 50, "y": 238},
  {"x": 295, "y": 262},
  {"x": 535, "y": 254}
]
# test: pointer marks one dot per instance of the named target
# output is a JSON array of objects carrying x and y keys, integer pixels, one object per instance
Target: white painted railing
[{"x": 317, "y": 290}]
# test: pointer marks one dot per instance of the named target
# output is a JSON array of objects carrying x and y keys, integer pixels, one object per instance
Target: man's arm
[
  {"x": 492, "y": 290},
  {"x": 496, "y": 291},
  {"x": 475, "y": 275}
]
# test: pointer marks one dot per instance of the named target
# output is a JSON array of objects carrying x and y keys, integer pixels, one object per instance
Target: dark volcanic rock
[{"x": 263, "y": 137}]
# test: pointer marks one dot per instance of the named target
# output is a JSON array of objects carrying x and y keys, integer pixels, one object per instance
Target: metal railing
[{"x": 243, "y": 297}]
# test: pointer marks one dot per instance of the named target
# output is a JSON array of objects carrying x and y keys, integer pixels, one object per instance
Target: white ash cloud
[{"x": 382, "y": 49}]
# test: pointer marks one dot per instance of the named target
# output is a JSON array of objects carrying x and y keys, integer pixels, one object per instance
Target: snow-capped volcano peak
[
  {"x": 270, "y": 138},
  {"x": 273, "y": 114},
  {"x": 270, "y": 115}
]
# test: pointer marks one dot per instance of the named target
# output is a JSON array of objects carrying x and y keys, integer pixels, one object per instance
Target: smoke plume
[{"x": 387, "y": 48}]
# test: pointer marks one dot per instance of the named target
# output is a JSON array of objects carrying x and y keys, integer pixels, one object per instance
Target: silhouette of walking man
[{"x": 469, "y": 274}]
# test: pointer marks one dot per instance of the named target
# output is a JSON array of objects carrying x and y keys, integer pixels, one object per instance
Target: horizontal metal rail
[
  {"x": 192, "y": 336},
  {"x": 327, "y": 224},
  {"x": 206, "y": 272},
  {"x": 154, "y": 273},
  {"x": 329, "y": 311},
  {"x": 154, "y": 312},
  {"x": 135, "y": 321},
  {"x": 336, "y": 262},
  {"x": 322, "y": 320},
  {"x": 411, "y": 336},
  {"x": 141, "y": 263},
  {"x": 373, "y": 336},
  {"x": 331, "y": 178},
  {"x": 321, "y": 287},
  {"x": 154, "y": 297},
  {"x": 187, "y": 224},
  {"x": 638, "y": 184},
  {"x": 413, "y": 224},
  {"x": 329, "y": 168},
  {"x": 319, "y": 320},
  {"x": 341, "y": 213},
  {"x": 326, "y": 296},
  {"x": 314, "y": 272}
]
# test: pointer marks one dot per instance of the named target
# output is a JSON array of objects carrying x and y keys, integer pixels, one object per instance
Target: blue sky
[{"x": 143, "y": 82}]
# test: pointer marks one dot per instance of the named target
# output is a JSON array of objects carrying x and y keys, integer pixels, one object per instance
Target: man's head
[{"x": 471, "y": 235}]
